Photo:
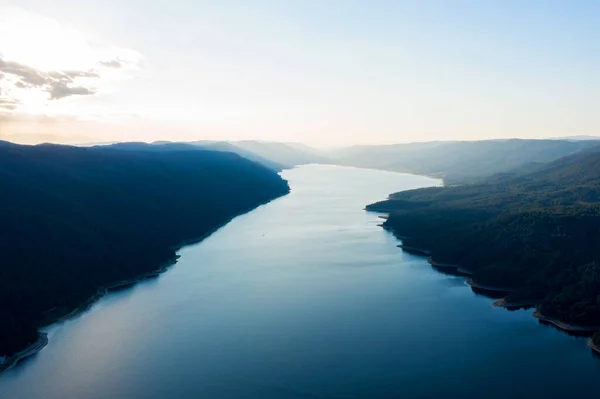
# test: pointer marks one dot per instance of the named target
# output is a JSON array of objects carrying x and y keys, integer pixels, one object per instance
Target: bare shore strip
[
  {"x": 31, "y": 350},
  {"x": 564, "y": 326},
  {"x": 414, "y": 250},
  {"x": 504, "y": 303},
  {"x": 447, "y": 267},
  {"x": 474, "y": 284}
]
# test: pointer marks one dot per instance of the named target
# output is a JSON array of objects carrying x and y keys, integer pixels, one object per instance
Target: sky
[{"x": 321, "y": 72}]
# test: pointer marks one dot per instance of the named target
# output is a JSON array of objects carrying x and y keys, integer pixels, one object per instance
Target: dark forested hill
[
  {"x": 459, "y": 162},
  {"x": 537, "y": 231},
  {"x": 274, "y": 155},
  {"x": 221, "y": 146},
  {"x": 74, "y": 220}
]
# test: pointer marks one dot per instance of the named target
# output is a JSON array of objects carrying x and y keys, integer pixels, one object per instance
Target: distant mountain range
[
  {"x": 458, "y": 162},
  {"x": 577, "y": 138}
]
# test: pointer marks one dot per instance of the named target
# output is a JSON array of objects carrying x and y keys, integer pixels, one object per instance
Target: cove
[{"x": 306, "y": 297}]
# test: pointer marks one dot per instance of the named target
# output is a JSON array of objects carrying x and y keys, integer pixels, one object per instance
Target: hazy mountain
[
  {"x": 227, "y": 146},
  {"x": 76, "y": 219},
  {"x": 154, "y": 147},
  {"x": 578, "y": 138},
  {"x": 289, "y": 154},
  {"x": 459, "y": 161}
]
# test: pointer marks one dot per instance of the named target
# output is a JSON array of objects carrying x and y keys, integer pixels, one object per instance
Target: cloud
[
  {"x": 8, "y": 104},
  {"x": 60, "y": 90},
  {"x": 28, "y": 75},
  {"x": 70, "y": 75},
  {"x": 111, "y": 64},
  {"x": 58, "y": 84}
]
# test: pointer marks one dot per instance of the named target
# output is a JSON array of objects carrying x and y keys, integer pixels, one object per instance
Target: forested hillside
[
  {"x": 221, "y": 146},
  {"x": 459, "y": 162},
  {"x": 74, "y": 220},
  {"x": 537, "y": 232},
  {"x": 273, "y": 155}
]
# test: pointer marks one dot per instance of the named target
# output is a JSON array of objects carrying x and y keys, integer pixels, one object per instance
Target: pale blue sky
[{"x": 320, "y": 72}]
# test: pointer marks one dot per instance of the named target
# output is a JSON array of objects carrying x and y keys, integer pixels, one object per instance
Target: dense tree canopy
[
  {"x": 74, "y": 220},
  {"x": 537, "y": 231},
  {"x": 596, "y": 339}
]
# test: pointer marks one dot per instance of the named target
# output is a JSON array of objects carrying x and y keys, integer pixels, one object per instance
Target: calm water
[{"x": 306, "y": 297}]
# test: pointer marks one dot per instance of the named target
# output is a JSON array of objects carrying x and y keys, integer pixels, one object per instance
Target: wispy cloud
[
  {"x": 58, "y": 84},
  {"x": 111, "y": 64},
  {"x": 8, "y": 104}
]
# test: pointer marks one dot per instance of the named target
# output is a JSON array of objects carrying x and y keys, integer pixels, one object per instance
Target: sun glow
[
  {"x": 42, "y": 61},
  {"x": 42, "y": 42}
]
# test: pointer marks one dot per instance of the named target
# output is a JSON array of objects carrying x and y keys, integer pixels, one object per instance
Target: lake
[{"x": 306, "y": 297}]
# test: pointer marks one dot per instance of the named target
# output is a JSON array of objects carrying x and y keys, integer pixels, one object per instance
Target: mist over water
[{"x": 306, "y": 297}]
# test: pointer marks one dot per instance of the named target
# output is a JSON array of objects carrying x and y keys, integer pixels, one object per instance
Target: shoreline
[
  {"x": 405, "y": 172},
  {"x": 562, "y": 325},
  {"x": 502, "y": 303},
  {"x": 414, "y": 250},
  {"x": 447, "y": 267},
  {"x": 470, "y": 282},
  {"x": 104, "y": 290},
  {"x": 30, "y": 350}
]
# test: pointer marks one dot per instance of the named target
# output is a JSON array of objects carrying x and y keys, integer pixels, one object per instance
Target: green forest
[
  {"x": 536, "y": 231},
  {"x": 75, "y": 220}
]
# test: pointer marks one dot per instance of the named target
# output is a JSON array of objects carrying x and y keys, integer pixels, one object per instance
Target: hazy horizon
[{"x": 327, "y": 74}]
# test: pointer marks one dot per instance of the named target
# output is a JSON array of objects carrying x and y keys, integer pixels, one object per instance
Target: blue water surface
[{"x": 306, "y": 297}]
